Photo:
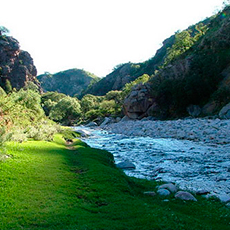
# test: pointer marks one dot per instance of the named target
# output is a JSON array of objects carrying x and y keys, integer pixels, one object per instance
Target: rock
[
  {"x": 194, "y": 110},
  {"x": 202, "y": 192},
  {"x": 228, "y": 204},
  {"x": 16, "y": 65},
  {"x": 150, "y": 193},
  {"x": 91, "y": 124},
  {"x": 118, "y": 119},
  {"x": 225, "y": 112},
  {"x": 137, "y": 103},
  {"x": 210, "y": 108},
  {"x": 185, "y": 196},
  {"x": 106, "y": 121},
  {"x": 163, "y": 192},
  {"x": 149, "y": 118},
  {"x": 126, "y": 165},
  {"x": 83, "y": 132},
  {"x": 224, "y": 198},
  {"x": 171, "y": 187},
  {"x": 125, "y": 118}
]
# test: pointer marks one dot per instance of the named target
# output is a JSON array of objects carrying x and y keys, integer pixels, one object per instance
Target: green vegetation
[
  {"x": 51, "y": 180},
  {"x": 73, "y": 82},
  {"x": 48, "y": 185},
  {"x": 22, "y": 117}
]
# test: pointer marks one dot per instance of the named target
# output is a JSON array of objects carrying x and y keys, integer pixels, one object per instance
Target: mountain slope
[
  {"x": 192, "y": 74},
  {"x": 70, "y": 82}
]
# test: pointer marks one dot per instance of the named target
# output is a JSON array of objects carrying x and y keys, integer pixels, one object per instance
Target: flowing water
[{"x": 191, "y": 165}]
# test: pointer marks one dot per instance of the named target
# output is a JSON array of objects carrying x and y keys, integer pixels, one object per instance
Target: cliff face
[
  {"x": 70, "y": 82},
  {"x": 16, "y": 65}
]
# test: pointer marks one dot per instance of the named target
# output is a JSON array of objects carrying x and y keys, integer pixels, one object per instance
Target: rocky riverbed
[
  {"x": 215, "y": 131},
  {"x": 193, "y": 153}
]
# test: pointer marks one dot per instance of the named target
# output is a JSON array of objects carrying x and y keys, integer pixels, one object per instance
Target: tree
[
  {"x": 66, "y": 110},
  {"x": 8, "y": 87},
  {"x": 3, "y": 30},
  {"x": 89, "y": 102}
]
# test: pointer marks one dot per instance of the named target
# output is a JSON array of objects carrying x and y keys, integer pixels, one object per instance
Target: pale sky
[{"x": 96, "y": 35}]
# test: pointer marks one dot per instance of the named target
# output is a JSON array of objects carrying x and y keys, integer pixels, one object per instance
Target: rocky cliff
[
  {"x": 71, "y": 82},
  {"x": 16, "y": 65}
]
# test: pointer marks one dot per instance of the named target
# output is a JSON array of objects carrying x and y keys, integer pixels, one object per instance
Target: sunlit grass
[{"x": 44, "y": 185}]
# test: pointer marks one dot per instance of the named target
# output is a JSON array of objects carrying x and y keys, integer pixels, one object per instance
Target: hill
[
  {"x": 70, "y": 82},
  {"x": 128, "y": 72},
  {"x": 194, "y": 74}
]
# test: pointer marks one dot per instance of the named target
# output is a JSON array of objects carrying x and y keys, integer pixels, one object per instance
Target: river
[{"x": 191, "y": 165}]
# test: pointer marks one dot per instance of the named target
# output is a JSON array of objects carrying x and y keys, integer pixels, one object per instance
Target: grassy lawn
[{"x": 46, "y": 185}]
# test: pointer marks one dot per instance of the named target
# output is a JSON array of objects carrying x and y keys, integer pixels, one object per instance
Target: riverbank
[
  {"x": 51, "y": 185},
  {"x": 214, "y": 131}
]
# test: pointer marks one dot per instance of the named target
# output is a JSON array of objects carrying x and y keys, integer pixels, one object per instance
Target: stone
[
  {"x": 106, "y": 121},
  {"x": 83, "y": 132},
  {"x": 185, "y": 196},
  {"x": 137, "y": 103},
  {"x": 209, "y": 108},
  {"x": 150, "y": 193},
  {"x": 16, "y": 65},
  {"x": 194, "y": 110},
  {"x": 125, "y": 118},
  {"x": 91, "y": 124},
  {"x": 126, "y": 165},
  {"x": 202, "y": 192},
  {"x": 228, "y": 204},
  {"x": 171, "y": 187},
  {"x": 163, "y": 192},
  {"x": 224, "y": 198},
  {"x": 225, "y": 112}
]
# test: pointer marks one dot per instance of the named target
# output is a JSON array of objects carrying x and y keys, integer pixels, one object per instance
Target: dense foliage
[{"x": 22, "y": 117}]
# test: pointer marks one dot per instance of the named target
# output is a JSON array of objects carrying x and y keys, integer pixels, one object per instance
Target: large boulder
[
  {"x": 138, "y": 102},
  {"x": 185, "y": 196},
  {"x": 225, "y": 112}
]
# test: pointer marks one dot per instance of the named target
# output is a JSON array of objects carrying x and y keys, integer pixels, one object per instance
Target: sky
[{"x": 97, "y": 35}]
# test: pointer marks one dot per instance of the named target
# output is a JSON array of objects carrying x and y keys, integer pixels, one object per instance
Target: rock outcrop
[
  {"x": 138, "y": 102},
  {"x": 16, "y": 65}
]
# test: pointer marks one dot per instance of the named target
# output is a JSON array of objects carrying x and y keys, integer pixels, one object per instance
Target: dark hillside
[{"x": 71, "y": 82}]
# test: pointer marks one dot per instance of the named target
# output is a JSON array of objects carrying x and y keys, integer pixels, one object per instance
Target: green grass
[{"x": 44, "y": 185}]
